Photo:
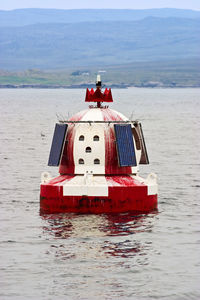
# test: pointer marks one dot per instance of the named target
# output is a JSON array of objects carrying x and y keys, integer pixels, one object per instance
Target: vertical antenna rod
[{"x": 98, "y": 86}]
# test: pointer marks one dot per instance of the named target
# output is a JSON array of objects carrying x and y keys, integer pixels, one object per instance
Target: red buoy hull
[{"x": 124, "y": 194}]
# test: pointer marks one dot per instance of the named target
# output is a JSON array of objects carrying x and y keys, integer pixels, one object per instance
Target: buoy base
[{"x": 100, "y": 194}]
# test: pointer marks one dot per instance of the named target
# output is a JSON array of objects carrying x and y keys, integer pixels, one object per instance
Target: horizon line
[{"x": 89, "y": 8}]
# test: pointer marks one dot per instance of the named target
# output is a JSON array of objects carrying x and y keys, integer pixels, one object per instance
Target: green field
[{"x": 183, "y": 73}]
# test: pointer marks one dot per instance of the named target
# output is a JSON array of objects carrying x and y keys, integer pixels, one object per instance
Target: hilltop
[
  {"x": 161, "y": 44},
  {"x": 23, "y": 17}
]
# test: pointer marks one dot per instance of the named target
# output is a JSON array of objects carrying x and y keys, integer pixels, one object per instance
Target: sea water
[{"x": 121, "y": 256}]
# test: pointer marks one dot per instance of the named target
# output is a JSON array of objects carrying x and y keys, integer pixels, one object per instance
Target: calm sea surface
[{"x": 121, "y": 256}]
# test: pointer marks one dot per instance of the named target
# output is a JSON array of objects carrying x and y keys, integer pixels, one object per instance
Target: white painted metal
[
  {"x": 97, "y": 147},
  {"x": 45, "y": 177},
  {"x": 151, "y": 183},
  {"x": 98, "y": 78},
  {"x": 87, "y": 185}
]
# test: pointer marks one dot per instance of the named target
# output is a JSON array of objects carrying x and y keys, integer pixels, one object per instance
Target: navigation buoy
[{"x": 98, "y": 152}]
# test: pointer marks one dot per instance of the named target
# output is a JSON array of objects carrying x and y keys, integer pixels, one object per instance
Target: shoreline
[{"x": 81, "y": 86}]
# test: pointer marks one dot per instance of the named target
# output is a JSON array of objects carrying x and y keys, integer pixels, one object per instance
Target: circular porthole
[
  {"x": 88, "y": 150},
  {"x": 81, "y": 161},
  {"x": 96, "y": 161},
  {"x": 81, "y": 138},
  {"x": 96, "y": 138}
]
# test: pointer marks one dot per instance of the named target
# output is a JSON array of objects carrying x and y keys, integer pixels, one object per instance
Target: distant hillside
[
  {"x": 46, "y": 46},
  {"x": 22, "y": 17},
  {"x": 175, "y": 73},
  {"x": 155, "y": 47}
]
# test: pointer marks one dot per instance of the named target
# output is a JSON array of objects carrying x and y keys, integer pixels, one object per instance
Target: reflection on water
[
  {"x": 99, "y": 235},
  {"x": 106, "y": 256}
]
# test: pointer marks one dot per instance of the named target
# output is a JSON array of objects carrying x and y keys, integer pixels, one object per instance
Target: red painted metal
[
  {"x": 98, "y": 96},
  {"x": 111, "y": 161},
  {"x": 124, "y": 194},
  {"x": 67, "y": 160}
]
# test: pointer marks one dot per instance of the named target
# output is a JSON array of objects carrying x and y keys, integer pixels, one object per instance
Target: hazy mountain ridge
[
  {"x": 23, "y": 17},
  {"x": 104, "y": 43},
  {"x": 157, "y": 47},
  {"x": 175, "y": 73}
]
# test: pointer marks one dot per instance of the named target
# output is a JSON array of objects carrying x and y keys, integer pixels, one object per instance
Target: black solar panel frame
[
  {"x": 57, "y": 145},
  {"x": 144, "y": 160},
  {"x": 125, "y": 145}
]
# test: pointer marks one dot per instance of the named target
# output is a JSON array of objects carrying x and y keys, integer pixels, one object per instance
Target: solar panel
[
  {"x": 140, "y": 143},
  {"x": 125, "y": 145},
  {"x": 144, "y": 156},
  {"x": 57, "y": 144}
]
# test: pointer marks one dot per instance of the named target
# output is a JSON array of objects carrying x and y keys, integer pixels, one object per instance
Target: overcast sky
[{"x": 74, "y": 4}]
